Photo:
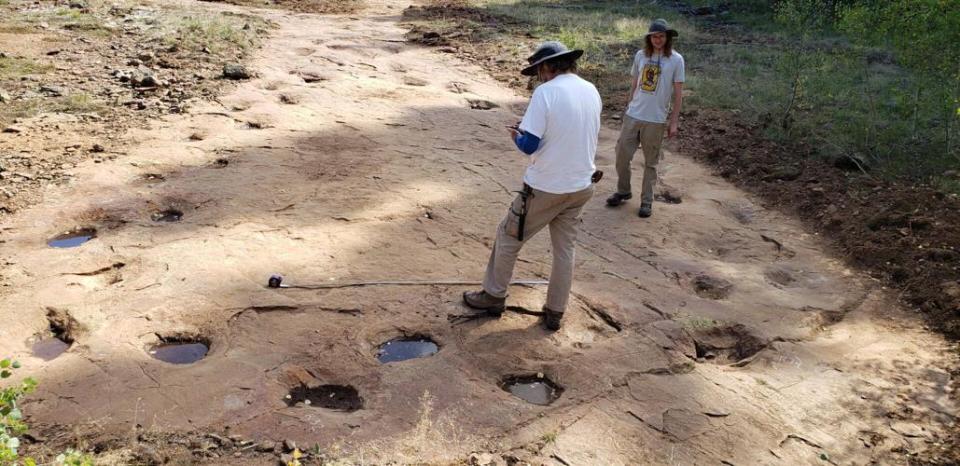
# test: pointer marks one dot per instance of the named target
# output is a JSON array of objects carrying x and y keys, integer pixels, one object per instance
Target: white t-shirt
[
  {"x": 565, "y": 114},
  {"x": 655, "y": 77}
]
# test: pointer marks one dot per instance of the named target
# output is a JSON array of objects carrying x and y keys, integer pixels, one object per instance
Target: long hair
[{"x": 667, "y": 46}]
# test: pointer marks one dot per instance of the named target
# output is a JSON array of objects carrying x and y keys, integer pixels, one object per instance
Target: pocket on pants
[{"x": 511, "y": 224}]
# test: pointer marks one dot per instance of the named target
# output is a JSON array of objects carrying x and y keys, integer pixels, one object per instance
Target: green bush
[
  {"x": 12, "y": 425},
  {"x": 11, "y": 418}
]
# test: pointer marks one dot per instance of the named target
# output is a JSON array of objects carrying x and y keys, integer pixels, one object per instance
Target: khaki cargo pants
[
  {"x": 648, "y": 136},
  {"x": 562, "y": 213}
]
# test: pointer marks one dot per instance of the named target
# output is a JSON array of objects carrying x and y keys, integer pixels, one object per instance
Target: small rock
[
  {"x": 787, "y": 173},
  {"x": 290, "y": 99},
  {"x": 235, "y": 71},
  {"x": 236, "y": 438},
  {"x": 148, "y": 455},
  {"x": 78, "y": 4},
  {"x": 13, "y": 129},
  {"x": 146, "y": 57},
  {"x": 951, "y": 174},
  {"x": 481, "y": 104},
  {"x": 217, "y": 438},
  {"x": 481, "y": 459},
  {"x": 414, "y": 81},
  {"x": 908, "y": 429},
  {"x": 145, "y": 80},
  {"x": 266, "y": 446},
  {"x": 4, "y": 97},
  {"x": 309, "y": 76},
  {"x": 52, "y": 91},
  {"x": 97, "y": 148},
  {"x": 670, "y": 195},
  {"x": 289, "y": 445},
  {"x": 286, "y": 459}
]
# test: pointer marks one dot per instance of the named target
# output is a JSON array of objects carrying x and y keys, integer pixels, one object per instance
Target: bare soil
[
  {"x": 718, "y": 330},
  {"x": 304, "y": 6},
  {"x": 79, "y": 75}
]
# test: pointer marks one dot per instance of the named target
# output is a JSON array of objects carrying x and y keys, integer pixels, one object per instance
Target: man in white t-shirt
[
  {"x": 559, "y": 134},
  {"x": 658, "y": 76}
]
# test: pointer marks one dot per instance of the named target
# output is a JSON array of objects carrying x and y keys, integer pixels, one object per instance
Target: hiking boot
[
  {"x": 617, "y": 199},
  {"x": 551, "y": 319},
  {"x": 646, "y": 210},
  {"x": 485, "y": 302}
]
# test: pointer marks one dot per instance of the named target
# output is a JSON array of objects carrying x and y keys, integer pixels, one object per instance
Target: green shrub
[{"x": 11, "y": 418}]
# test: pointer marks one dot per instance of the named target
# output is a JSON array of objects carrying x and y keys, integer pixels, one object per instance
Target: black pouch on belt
[
  {"x": 596, "y": 177},
  {"x": 525, "y": 196}
]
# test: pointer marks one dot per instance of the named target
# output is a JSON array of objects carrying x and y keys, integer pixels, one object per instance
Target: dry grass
[
  {"x": 14, "y": 68},
  {"x": 436, "y": 439}
]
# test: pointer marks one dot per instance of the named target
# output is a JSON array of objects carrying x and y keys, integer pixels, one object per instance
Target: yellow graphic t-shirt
[
  {"x": 650, "y": 77},
  {"x": 655, "y": 77}
]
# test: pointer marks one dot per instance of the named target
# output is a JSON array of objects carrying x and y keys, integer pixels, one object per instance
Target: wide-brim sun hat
[
  {"x": 660, "y": 25},
  {"x": 548, "y": 51}
]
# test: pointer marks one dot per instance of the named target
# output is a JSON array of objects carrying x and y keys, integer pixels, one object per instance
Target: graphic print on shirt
[{"x": 650, "y": 77}]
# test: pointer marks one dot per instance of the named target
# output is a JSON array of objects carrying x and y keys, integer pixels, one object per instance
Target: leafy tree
[{"x": 926, "y": 36}]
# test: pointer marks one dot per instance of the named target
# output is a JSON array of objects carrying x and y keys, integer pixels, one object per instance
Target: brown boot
[
  {"x": 551, "y": 319},
  {"x": 485, "y": 302}
]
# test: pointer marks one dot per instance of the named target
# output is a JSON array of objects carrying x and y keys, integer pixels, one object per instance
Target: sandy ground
[{"x": 379, "y": 168}]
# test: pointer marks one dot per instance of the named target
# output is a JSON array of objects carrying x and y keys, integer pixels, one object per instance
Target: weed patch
[{"x": 14, "y": 68}]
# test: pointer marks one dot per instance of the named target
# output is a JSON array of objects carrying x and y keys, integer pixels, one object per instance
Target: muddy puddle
[
  {"x": 334, "y": 397},
  {"x": 402, "y": 349},
  {"x": 179, "y": 352},
  {"x": 532, "y": 389},
  {"x": 72, "y": 238},
  {"x": 49, "y": 348},
  {"x": 169, "y": 215}
]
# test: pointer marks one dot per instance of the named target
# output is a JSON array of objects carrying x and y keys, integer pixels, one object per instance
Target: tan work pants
[
  {"x": 649, "y": 137},
  {"x": 562, "y": 213}
]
